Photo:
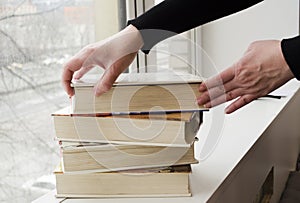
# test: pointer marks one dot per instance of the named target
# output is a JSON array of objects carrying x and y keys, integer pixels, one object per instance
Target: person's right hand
[{"x": 114, "y": 54}]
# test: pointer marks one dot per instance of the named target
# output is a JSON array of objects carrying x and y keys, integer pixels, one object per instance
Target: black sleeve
[
  {"x": 291, "y": 52},
  {"x": 172, "y": 17}
]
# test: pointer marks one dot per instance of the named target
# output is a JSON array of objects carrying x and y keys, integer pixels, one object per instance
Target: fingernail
[
  {"x": 201, "y": 88},
  {"x": 70, "y": 93},
  {"x": 199, "y": 102},
  {"x": 227, "y": 111},
  {"x": 207, "y": 106}
]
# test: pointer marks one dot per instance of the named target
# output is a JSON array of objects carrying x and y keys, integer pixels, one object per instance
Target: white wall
[
  {"x": 226, "y": 39},
  {"x": 106, "y": 18}
]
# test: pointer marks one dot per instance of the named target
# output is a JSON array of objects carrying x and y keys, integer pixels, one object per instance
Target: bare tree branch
[
  {"x": 18, "y": 6},
  {"x": 3, "y": 80},
  {"x": 33, "y": 86},
  {"x": 2, "y": 93},
  {"x": 25, "y": 126},
  {"x": 31, "y": 14},
  {"x": 23, "y": 15},
  {"x": 15, "y": 44}
]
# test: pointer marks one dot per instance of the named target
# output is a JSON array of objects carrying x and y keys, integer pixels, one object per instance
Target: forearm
[
  {"x": 291, "y": 49},
  {"x": 176, "y": 16}
]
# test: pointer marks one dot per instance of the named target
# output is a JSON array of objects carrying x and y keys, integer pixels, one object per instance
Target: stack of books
[{"x": 136, "y": 140}]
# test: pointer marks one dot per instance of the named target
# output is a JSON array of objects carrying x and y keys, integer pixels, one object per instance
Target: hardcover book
[
  {"x": 171, "y": 129},
  {"x": 139, "y": 92},
  {"x": 96, "y": 157},
  {"x": 152, "y": 182}
]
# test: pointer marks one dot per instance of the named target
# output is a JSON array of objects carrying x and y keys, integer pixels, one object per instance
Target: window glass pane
[
  {"x": 173, "y": 54},
  {"x": 37, "y": 37}
]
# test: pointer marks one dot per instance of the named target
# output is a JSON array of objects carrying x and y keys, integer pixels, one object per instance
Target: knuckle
[
  {"x": 212, "y": 94},
  {"x": 75, "y": 61},
  {"x": 230, "y": 96},
  {"x": 241, "y": 73},
  {"x": 246, "y": 99},
  {"x": 87, "y": 50},
  {"x": 204, "y": 97},
  {"x": 221, "y": 89},
  {"x": 89, "y": 47},
  {"x": 241, "y": 64},
  {"x": 65, "y": 66},
  {"x": 254, "y": 44}
]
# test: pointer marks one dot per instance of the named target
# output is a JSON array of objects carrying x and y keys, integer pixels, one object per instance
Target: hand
[
  {"x": 114, "y": 54},
  {"x": 261, "y": 70}
]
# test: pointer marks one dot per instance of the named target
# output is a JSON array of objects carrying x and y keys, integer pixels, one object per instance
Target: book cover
[
  {"x": 170, "y": 129},
  {"x": 143, "y": 92},
  {"x": 101, "y": 157},
  {"x": 152, "y": 182}
]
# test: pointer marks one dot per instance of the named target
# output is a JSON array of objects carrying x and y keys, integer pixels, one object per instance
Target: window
[
  {"x": 181, "y": 53},
  {"x": 37, "y": 36}
]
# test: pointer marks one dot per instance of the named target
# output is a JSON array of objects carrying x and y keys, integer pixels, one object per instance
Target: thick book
[
  {"x": 170, "y": 129},
  {"x": 139, "y": 92},
  {"x": 96, "y": 157},
  {"x": 153, "y": 182}
]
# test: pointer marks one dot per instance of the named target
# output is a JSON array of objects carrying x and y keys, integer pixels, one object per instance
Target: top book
[{"x": 138, "y": 93}]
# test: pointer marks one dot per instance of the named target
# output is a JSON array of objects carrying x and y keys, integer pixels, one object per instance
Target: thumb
[{"x": 106, "y": 81}]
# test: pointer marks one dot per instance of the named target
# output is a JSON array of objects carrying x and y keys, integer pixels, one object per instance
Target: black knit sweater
[{"x": 172, "y": 17}]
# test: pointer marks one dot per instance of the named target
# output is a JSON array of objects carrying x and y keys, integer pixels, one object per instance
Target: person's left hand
[{"x": 261, "y": 70}]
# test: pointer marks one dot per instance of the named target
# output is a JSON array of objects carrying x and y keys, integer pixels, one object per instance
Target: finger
[
  {"x": 223, "y": 98},
  {"x": 73, "y": 65},
  {"x": 111, "y": 74},
  {"x": 218, "y": 80},
  {"x": 240, "y": 102},
  {"x": 215, "y": 92},
  {"x": 66, "y": 81},
  {"x": 82, "y": 71},
  {"x": 202, "y": 87},
  {"x": 69, "y": 68},
  {"x": 106, "y": 82}
]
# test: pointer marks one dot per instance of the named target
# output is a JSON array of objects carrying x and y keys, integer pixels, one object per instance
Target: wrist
[
  {"x": 287, "y": 70},
  {"x": 290, "y": 50},
  {"x": 133, "y": 36},
  {"x": 125, "y": 42}
]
